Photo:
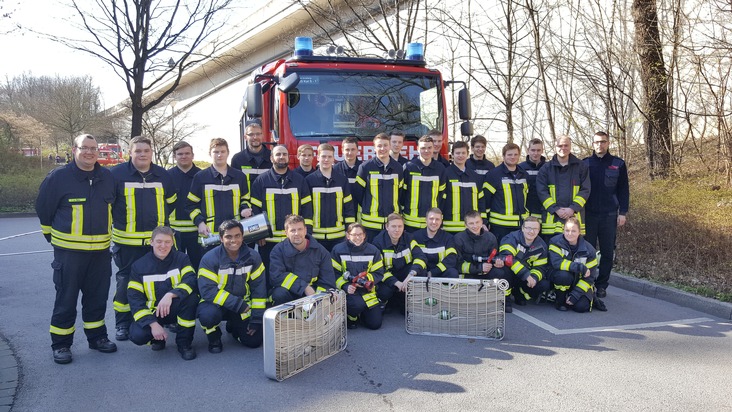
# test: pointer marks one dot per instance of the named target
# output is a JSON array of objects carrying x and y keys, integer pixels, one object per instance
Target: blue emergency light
[
  {"x": 303, "y": 46},
  {"x": 415, "y": 51}
]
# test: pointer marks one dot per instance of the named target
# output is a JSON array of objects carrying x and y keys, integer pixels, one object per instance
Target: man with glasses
[
  {"x": 607, "y": 205},
  {"x": 530, "y": 261},
  {"x": 73, "y": 207},
  {"x": 254, "y": 159}
]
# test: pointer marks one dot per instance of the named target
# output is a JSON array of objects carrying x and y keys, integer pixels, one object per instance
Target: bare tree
[
  {"x": 138, "y": 38},
  {"x": 657, "y": 133},
  {"x": 166, "y": 128},
  {"x": 385, "y": 25},
  {"x": 67, "y": 106}
]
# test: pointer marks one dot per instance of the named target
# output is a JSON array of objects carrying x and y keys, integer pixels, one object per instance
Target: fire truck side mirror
[
  {"x": 289, "y": 82},
  {"x": 464, "y": 107},
  {"x": 254, "y": 100},
  {"x": 466, "y": 128}
]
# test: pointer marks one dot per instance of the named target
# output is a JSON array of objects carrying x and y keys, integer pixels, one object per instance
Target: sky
[{"x": 25, "y": 52}]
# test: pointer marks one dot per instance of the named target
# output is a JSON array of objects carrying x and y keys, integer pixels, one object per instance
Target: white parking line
[
  {"x": 551, "y": 329},
  {"x": 19, "y": 235},
  {"x": 25, "y": 253}
]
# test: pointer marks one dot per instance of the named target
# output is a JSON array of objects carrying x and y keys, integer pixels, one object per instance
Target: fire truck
[{"x": 310, "y": 99}]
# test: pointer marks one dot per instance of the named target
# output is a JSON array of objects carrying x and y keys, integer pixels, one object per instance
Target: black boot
[{"x": 561, "y": 301}]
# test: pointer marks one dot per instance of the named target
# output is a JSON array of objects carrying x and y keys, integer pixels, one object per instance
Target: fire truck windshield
[{"x": 328, "y": 105}]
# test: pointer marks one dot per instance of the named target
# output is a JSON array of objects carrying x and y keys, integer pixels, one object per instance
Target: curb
[
  {"x": 8, "y": 375},
  {"x": 646, "y": 288}
]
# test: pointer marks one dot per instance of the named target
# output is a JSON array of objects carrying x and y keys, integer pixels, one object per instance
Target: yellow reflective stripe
[
  {"x": 221, "y": 297},
  {"x": 94, "y": 325},
  {"x": 255, "y": 202},
  {"x": 210, "y": 330},
  {"x": 193, "y": 198},
  {"x": 561, "y": 288},
  {"x": 160, "y": 204},
  {"x": 131, "y": 209},
  {"x": 78, "y": 237},
  {"x": 61, "y": 331},
  {"x": 185, "y": 287},
  {"x": 79, "y": 246},
  {"x": 320, "y": 289},
  {"x": 121, "y": 307},
  {"x": 576, "y": 198},
  {"x": 136, "y": 286},
  {"x": 582, "y": 284},
  {"x": 340, "y": 282},
  {"x": 591, "y": 264},
  {"x": 77, "y": 219},
  {"x": 465, "y": 268},
  {"x": 259, "y": 303},
  {"x": 508, "y": 248},
  {"x": 289, "y": 280},
  {"x": 142, "y": 313},
  {"x": 336, "y": 265},
  {"x": 257, "y": 273},
  {"x": 214, "y": 277},
  {"x": 537, "y": 273},
  {"x": 370, "y": 299},
  {"x": 45, "y": 229},
  {"x": 517, "y": 267},
  {"x": 540, "y": 262},
  {"x": 565, "y": 265},
  {"x": 360, "y": 181},
  {"x": 186, "y": 323}
]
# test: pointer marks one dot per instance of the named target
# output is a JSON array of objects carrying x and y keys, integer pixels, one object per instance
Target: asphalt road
[{"x": 644, "y": 354}]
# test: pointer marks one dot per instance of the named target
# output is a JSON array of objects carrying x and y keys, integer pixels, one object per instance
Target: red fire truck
[{"x": 316, "y": 99}]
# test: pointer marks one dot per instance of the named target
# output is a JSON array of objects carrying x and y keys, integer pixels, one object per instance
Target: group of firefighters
[{"x": 363, "y": 227}]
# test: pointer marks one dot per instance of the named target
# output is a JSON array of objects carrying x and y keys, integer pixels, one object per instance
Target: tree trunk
[{"x": 657, "y": 127}]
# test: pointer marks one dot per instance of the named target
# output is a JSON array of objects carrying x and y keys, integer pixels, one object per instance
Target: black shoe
[
  {"x": 215, "y": 346},
  {"x": 103, "y": 345},
  {"x": 599, "y": 305},
  {"x": 188, "y": 353},
  {"x": 601, "y": 293},
  {"x": 157, "y": 345},
  {"x": 352, "y": 324},
  {"x": 561, "y": 307},
  {"x": 509, "y": 306},
  {"x": 123, "y": 333},
  {"x": 519, "y": 299},
  {"x": 62, "y": 356}
]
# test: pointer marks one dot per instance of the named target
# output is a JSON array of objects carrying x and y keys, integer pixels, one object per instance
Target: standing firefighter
[
  {"x": 73, "y": 205},
  {"x": 186, "y": 233},
  {"x": 145, "y": 194},
  {"x": 563, "y": 185}
]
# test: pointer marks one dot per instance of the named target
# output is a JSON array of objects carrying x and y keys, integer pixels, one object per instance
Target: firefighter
[
  {"x": 350, "y": 163},
  {"x": 379, "y": 182},
  {"x": 463, "y": 190},
  {"x": 255, "y": 158},
  {"x": 574, "y": 261},
  {"x": 505, "y": 190},
  {"x": 530, "y": 266},
  {"x": 607, "y": 205},
  {"x": 218, "y": 193},
  {"x": 145, "y": 195},
  {"x": 300, "y": 266},
  {"x": 305, "y": 156},
  {"x": 396, "y": 140},
  {"x": 534, "y": 161},
  {"x": 438, "y": 247},
  {"x": 162, "y": 291},
  {"x": 73, "y": 207},
  {"x": 437, "y": 142},
  {"x": 333, "y": 205},
  {"x": 232, "y": 287},
  {"x": 563, "y": 185},
  {"x": 402, "y": 258},
  {"x": 186, "y": 233},
  {"x": 358, "y": 268},
  {"x": 423, "y": 184},
  {"x": 280, "y": 192},
  {"x": 478, "y": 161}
]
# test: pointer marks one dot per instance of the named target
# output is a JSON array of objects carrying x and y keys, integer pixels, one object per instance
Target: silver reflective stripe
[
  {"x": 159, "y": 277},
  {"x": 426, "y": 178},
  {"x": 466, "y": 184},
  {"x": 281, "y": 191},
  {"x": 239, "y": 271},
  {"x": 384, "y": 177},
  {"x": 221, "y": 188},
  {"x": 433, "y": 250},
  {"x": 392, "y": 255},
  {"x": 350, "y": 258},
  {"x": 513, "y": 181},
  {"x": 532, "y": 172},
  {"x": 253, "y": 171},
  {"x": 481, "y": 171},
  {"x": 327, "y": 190},
  {"x": 140, "y": 185}
]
